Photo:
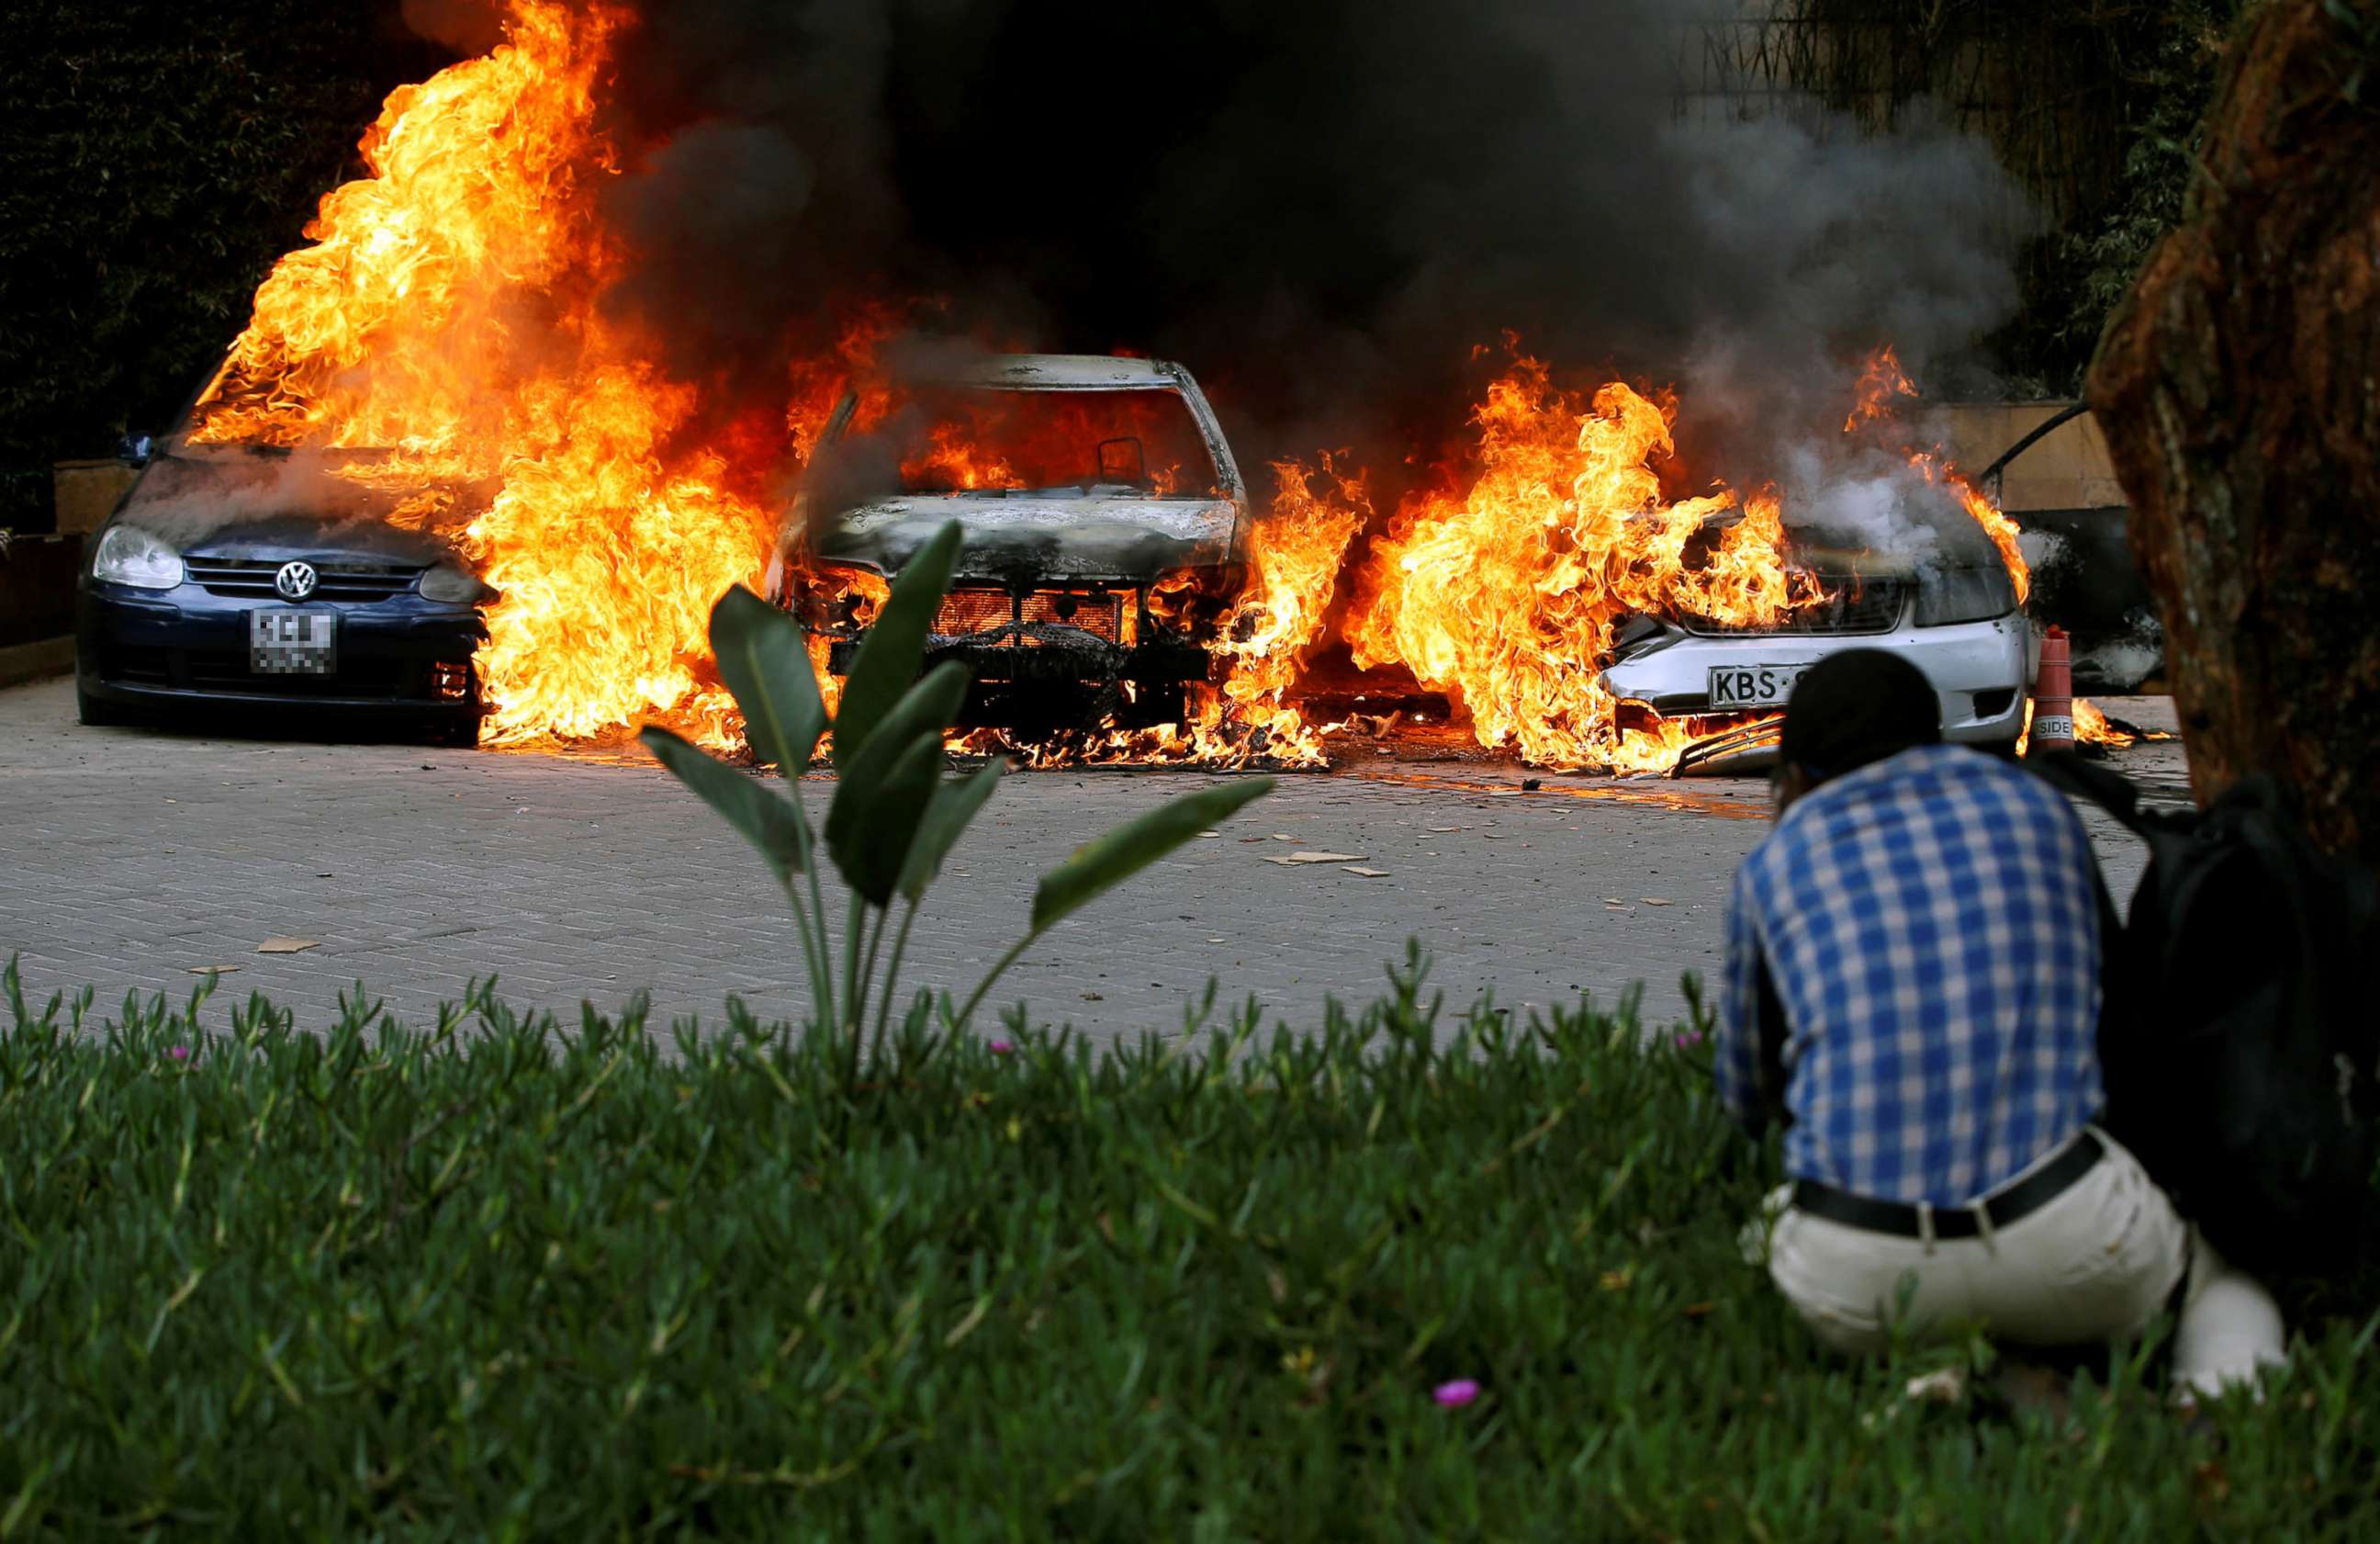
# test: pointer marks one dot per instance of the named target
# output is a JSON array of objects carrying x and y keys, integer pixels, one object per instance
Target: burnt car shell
[
  {"x": 235, "y": 517},
  {"x": 1071, "y": 603}
]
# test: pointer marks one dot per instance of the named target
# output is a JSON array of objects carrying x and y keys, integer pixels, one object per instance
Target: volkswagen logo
[{"x": 295, "y": 580}]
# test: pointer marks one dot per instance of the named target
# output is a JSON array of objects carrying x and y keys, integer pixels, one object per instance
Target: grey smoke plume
[
  {"x": 193, "y": 491},
  {"x": 465, "y": 26},
  {"x": 1323, "y": 208}
]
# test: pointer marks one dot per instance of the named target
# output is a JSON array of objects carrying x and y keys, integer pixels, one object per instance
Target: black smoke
[{"x": 1325, "y": 208}]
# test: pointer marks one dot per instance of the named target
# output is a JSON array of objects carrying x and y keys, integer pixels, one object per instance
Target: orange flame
[
  {"x": 1506, "y": 592},
  {"x": 1879, "y": 382},
  {"x": 448, "y": 314},
  {"x": 818, "y": 382},
  {"x": 1997, "y": 525},
  {"x": 448, "y": 320},
  {"x": 1882, "y": 380},
  {"x": 1029, "y": 440},
  {"x": 2091, "y": 726},
  {"x": 1294, "y": 557}
]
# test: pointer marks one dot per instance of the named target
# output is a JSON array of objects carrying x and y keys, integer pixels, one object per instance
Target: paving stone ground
[{"x": 131, "y": 858}]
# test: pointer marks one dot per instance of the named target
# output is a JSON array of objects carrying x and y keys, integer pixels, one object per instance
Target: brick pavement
[{"x": 131, "y": 857}]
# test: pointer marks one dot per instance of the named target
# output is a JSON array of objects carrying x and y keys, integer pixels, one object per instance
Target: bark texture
[{"x": 2239, "y": 385}]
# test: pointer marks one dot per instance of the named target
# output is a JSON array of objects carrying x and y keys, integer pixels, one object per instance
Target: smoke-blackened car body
[
  {"x": 287, "y": 585},
  {"x": 1102, "y": 514}
]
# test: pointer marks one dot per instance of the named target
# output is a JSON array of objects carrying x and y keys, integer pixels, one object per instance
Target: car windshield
[{"x": 1142, "y": 443}]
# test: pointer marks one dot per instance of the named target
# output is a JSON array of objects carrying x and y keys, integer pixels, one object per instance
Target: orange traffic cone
[{"x": 2053, "y": 695}]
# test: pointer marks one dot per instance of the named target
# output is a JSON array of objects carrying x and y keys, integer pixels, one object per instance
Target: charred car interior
[{"x": 1102, "y": 513}]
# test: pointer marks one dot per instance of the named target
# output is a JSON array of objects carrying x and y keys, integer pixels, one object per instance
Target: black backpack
[{"x": 2240, "y": 1040}]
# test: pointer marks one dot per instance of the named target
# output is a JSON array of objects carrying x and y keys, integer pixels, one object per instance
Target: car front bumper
[
  {"x": 1079, "y": 683},
  {"x": 1978, "y": 670},
  {"x": 183, "y": 647}
]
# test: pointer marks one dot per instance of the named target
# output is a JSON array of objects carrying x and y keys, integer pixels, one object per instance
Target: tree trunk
[{"x": 2238, "y": 384}]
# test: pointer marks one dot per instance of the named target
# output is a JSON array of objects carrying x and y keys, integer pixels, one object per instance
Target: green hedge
[
  {"x": 499, "y": 1280},
  {"x": 154, "y": 160}
]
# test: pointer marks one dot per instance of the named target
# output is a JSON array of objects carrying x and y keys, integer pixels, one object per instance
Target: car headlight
[
  {"x": 451, "y": 586},
  {"x": 1971, "y": 594},
  {"x": 130, "y": 556}
]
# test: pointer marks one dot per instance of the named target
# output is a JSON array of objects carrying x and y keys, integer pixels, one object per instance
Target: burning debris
[{"x": 475, "y": 313}]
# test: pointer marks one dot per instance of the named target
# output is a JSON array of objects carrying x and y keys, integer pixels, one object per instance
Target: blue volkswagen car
[{"x": 264, "y": 582}]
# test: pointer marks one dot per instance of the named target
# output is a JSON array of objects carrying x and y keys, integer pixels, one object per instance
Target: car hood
[
  {"x": 1029, "y": 538},
  {"x": 233, "y": 502}
]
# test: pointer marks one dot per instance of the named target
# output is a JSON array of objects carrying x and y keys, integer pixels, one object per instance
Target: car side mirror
[
  {"x": 1123, "y": 461},
  {"x": 134, "y": 450}
]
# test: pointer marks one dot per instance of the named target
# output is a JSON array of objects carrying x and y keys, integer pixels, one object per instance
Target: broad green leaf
[
  {"x": 895, "y": 645},
  {"x": 764, "y": 656},
  {"x": 853, "y": 828},
  {"x": 767, "y": 819},
  {"x": 1105, "y": 861},
  {"x": 930, "y": 705},
  {"x": 954, "y": 804},
  {"x": 872, "y": 844}
]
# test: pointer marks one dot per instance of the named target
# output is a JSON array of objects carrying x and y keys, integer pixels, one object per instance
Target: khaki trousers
[{"x": 2097, "y": 1264}]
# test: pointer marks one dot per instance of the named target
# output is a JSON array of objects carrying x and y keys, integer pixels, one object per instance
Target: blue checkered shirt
[{"x": 1930, "y": 925}]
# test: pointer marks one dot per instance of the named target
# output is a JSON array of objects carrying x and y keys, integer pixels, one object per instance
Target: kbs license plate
[
  {"x": 1753, "y": 685},
  {"x": 293, "y": 642}
]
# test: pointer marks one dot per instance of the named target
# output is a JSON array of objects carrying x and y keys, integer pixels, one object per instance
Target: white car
[{"x": 1955, "y": 619}]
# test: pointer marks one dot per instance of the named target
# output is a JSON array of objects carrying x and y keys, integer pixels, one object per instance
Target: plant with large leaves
[{"x": 893, "y": 817}]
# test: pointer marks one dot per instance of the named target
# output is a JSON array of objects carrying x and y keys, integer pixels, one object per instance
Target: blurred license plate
[
  {"x": 293, "y": 642},
  {"x": 1753, "y": 685}
]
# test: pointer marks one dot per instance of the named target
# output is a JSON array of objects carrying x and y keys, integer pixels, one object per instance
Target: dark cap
[{"x": 1854, "y": 708}]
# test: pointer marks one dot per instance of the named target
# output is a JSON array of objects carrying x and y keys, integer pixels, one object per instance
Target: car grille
[
  {"x": 1100, "y": 615},
  {"x": 968, "y": 612},
  {"x": 253, "y": 577},
  {"x": 1853, "y": 606},
  {"x": 227, "y": 670},
  {"x": 974, "y": 611}
]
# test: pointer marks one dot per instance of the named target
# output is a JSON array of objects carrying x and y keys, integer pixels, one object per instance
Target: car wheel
[{"x": 96, "y": 711}]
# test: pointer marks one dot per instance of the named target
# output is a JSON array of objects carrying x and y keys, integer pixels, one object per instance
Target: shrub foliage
[
  {"x": 155, "y": 159},
  {"x": 495, "y": 1279}
]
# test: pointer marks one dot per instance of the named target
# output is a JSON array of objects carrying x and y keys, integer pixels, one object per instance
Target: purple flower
[
  {"x": 178, "y": 1052},
  {"x": 1690, "y": 1037},
  {"x": 1463, "y": 1390},
  {"x": 1001, "y": 1048}
]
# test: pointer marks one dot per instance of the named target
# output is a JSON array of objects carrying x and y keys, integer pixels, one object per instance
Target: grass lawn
[{"x": 483, "y": 1280}]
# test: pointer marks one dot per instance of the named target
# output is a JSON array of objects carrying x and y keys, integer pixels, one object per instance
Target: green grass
[{"x": 488, "y": 1281}]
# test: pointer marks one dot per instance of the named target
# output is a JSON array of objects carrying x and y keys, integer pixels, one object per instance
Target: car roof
[{"x": 1066, "y": 372}]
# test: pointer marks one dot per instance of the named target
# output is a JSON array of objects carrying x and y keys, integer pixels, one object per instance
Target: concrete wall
[
  {"x": 37, "y": 587},
  {"x": 87, "y": 492},
  {"x": 2067, "y": 470}
]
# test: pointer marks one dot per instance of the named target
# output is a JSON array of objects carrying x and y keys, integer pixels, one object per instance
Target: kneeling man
[{"x": 1914, "y": 986}]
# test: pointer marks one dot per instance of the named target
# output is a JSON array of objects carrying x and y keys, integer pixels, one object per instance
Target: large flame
[
  {"x": 1294, "y": 557},
  {"x": 449, "y": 319},
  {"x": 450, "y": 314},
  {"x": 1505, "y": 588}
]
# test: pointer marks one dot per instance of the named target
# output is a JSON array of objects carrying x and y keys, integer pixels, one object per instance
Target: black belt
[{"x": 2010, "y": 1206}]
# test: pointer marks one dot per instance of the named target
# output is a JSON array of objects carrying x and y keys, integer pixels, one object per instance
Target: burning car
[
  {"x": 1954, "y": 614},
  {"x": 262, "y": 579},
  {"x": 1102, "y": 513}
]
